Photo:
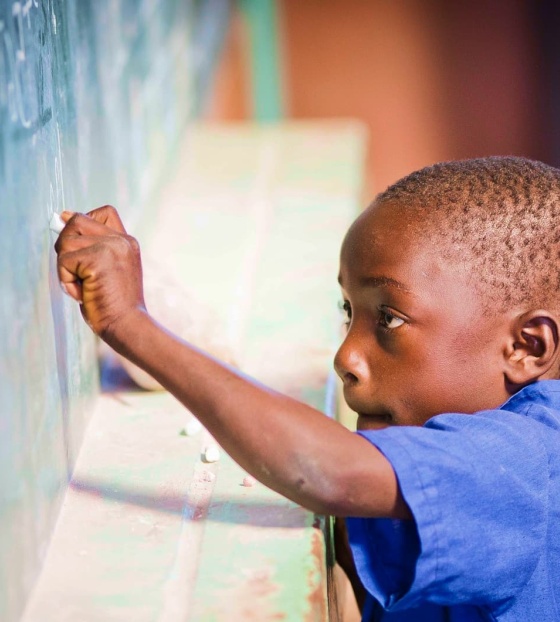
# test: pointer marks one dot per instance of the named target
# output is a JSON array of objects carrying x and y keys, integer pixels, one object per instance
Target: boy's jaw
[{"x": 373, "y": 422}]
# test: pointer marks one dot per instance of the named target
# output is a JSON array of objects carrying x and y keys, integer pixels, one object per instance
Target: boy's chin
[{"x": 373, "y": 422}]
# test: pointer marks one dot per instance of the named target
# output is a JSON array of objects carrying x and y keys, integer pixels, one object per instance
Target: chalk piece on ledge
[
  {"x": 193, "y": 427},
  {"x": 211, "y": 453},
  {"x": 56, "y": 223},
  {"x": 249, "y": 481}
]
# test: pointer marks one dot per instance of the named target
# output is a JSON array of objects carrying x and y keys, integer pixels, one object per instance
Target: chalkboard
[{"x": 94, "y": 95}]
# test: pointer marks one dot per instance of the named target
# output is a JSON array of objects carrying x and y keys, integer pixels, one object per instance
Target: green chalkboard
[{"x": 94, "y": 94}]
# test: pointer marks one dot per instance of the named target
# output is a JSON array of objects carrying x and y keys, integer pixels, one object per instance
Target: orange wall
[
  {"x": 433, "y": 80},
  {"x": 230, "y": 90}
]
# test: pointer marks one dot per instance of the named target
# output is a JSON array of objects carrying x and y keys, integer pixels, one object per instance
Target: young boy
[{"x": 451, "y": 286}]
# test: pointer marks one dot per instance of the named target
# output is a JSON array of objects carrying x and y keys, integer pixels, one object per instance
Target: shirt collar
[{"x": 543, "y": 392}]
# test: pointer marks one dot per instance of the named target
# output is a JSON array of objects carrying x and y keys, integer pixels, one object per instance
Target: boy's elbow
[
  {"x": 356, "y": 490},
  {"x": 345, "y": 499},
  {"x": 326, "y": 501},
  {"x": 331, "y": 495}
]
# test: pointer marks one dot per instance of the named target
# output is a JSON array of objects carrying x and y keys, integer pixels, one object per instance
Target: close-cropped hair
[{"x": 499, "y": 214}]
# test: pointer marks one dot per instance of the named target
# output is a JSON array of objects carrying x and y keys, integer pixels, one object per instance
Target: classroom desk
[{"x": 251, "y": 219}]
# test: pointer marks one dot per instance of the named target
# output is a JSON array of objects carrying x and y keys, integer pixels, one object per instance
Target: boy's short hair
[{"x": 499, "y": 214}]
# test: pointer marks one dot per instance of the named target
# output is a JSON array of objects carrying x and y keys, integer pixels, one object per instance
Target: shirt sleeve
[{"x": 477, "y": 488}]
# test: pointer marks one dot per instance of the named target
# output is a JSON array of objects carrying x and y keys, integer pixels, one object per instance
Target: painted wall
[
  {"x": 432, "y": 80},
  {"x": 93, "y": 97}
]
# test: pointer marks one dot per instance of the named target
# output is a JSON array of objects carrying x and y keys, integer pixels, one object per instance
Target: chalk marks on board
[
  {"x": 93, "y": 96},
  {"x": 21, "y": 30}
]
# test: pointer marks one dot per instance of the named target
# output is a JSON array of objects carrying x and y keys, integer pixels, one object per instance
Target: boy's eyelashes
[
  {"x": 386, "y": 318},
  {"x": 345, "y": 307}
]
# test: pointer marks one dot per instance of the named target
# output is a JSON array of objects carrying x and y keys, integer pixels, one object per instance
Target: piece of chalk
[
  {"x": 56, "y": 223},
  {"x": 193, "y": 427},
  {"x": 211, "y": 454},
  {"x": 249, "y": 481}
]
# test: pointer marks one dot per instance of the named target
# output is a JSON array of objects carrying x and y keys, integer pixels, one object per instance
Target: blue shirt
[{"x": 484, "y": 490}]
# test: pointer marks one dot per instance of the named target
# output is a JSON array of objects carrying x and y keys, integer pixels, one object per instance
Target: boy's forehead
[
  {"x": 390, "y": 258},
  {"x": 395, "y": 242},
  {"x": 387, "y": 221}
]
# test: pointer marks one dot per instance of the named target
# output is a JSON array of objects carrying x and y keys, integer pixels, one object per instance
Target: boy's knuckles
[
  {"x": 58, "y": 245},
  {"x": 68, "y": 242},
  {"x": 75, "y": 221},
  {"x": 107, "y": 215},
  {"x": 134, "y": 245},
  {"x": 66, "y": 238},
  {"x": 106, "y": 209}
]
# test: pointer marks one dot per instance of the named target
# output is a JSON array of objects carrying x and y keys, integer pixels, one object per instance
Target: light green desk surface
[{"x": 251, "y": 220}]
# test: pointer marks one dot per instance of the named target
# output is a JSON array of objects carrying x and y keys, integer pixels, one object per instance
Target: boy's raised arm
[{"x": 292, "y": 448}]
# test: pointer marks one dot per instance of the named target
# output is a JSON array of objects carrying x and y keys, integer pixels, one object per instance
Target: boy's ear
[{"x": 534, "y": 349}]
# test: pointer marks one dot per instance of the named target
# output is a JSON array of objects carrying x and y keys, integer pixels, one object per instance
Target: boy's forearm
[{"x": 287, "y": 445}]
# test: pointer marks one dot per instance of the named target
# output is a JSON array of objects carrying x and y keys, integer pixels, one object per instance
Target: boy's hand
[
  {"x": 99, "y": 266},
  {"x": 346, "y": 561}
]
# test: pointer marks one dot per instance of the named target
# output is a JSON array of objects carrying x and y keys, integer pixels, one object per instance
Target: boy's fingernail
[
  {"x": 66, "y": 215},
  {"x": 64, "y": 289}
]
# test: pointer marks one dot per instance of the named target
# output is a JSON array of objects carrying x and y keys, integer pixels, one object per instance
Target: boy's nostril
[
  {"x": 344, "y": 361},
  {"x": 350, "y": 378}
]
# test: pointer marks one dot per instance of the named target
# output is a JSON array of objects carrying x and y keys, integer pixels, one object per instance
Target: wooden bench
[{"x": 252, "y": 220}]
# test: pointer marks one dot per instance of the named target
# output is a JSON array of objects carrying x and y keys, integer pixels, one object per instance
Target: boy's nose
[{"x": 348, "y": 364}]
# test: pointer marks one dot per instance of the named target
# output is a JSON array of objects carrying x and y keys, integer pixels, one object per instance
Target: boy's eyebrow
[{"x": 380, "y": 281}]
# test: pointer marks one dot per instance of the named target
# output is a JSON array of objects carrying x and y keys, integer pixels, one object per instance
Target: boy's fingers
[
  {"x": 74, "y": 290},
  {"x": 82, "y": 224},
  {"x": 71, "y": 242},
  {"x": 74, "y": 241},
  {"x": 81, "y": 256},
  {"x": 67, "y": 266},
  {"x": 108, "y": 216}
]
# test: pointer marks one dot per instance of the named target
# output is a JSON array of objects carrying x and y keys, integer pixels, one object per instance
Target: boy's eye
[{"x": 388, "y": 320}]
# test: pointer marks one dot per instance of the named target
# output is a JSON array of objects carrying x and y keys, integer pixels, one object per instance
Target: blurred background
[
  {"x": 98, "y": 100},
  {"x": 432, "y": 80}
]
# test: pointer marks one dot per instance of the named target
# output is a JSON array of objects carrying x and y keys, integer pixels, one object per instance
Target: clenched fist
[{"x": 99, "y": 266}]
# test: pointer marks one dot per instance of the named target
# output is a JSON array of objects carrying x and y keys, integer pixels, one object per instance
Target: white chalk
[
  {"x": 249, "y": 481},
  {"x": 193, "y": 427},
  {"x": 211, "y": 454},
  {"x": 56, "y": 223}
]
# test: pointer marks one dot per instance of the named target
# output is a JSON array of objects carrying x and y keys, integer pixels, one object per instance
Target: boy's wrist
[{"x": 126, "y": 331}]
